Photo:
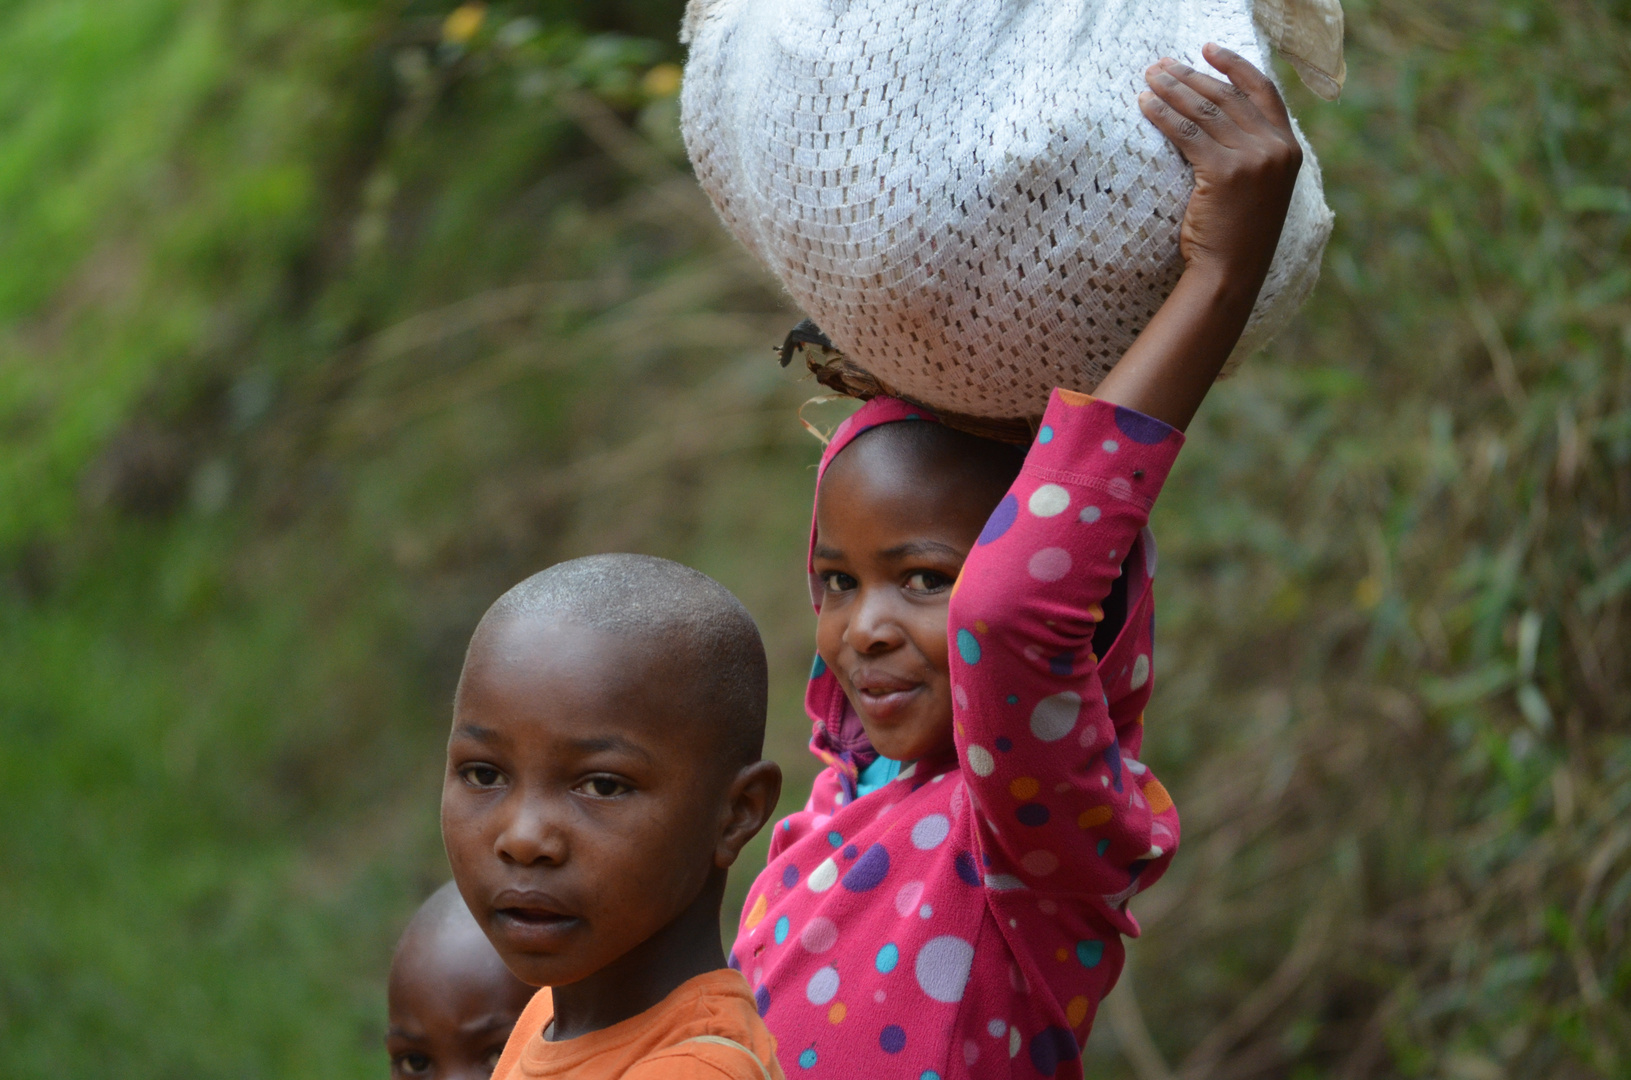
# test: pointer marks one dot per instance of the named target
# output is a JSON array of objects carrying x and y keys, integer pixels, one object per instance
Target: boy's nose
[{"x": 531, "y": 835}]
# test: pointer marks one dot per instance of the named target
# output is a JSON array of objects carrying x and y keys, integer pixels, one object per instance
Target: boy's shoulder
[
  {"x": 715, "y": 1033},
  {"x": 539, "y": 1012},
  {"x": 707, "y": 1057},
  {"x": 707, "y": 1029}
]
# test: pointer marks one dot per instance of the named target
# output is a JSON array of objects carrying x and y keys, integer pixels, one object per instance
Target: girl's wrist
[
  {"x": 1222, "y": 285},
  {"x": 1169, "y": 369}
]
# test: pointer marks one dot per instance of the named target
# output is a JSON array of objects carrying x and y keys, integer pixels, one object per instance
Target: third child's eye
[
  {"x": 927, "y": 581},
  {"x": 413, "y": 1064},
  {"x": 481, "y": 776},
  {"x": 604, "y": 787}
]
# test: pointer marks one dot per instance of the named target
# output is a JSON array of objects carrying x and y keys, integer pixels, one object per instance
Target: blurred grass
[{"x": 323, "y": 321}]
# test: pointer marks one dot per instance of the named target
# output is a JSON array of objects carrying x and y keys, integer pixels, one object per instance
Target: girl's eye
[
  {"x": 837, "y": 582},
  {"x": 481, "y": 776},
  {"x": 927, "y": 581},
  {"x": 604, "y": 787}
]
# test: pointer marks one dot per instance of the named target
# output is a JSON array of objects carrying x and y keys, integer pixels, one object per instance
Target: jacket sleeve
[{"x": 1047, "y": 738}]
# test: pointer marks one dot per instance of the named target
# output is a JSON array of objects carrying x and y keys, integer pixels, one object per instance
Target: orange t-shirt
[{"x": 653, "y": 1045}]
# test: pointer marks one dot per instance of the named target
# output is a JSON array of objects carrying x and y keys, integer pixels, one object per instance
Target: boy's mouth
[{"x": 531, "y": 919}]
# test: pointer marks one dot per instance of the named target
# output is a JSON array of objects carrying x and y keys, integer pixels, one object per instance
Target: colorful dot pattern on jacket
[{"x": 965, "y": 920}]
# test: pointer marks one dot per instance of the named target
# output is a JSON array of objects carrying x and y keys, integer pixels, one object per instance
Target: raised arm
[
  {"x": 1049, "y": 732},
  {"x": 1238, "y": 137}
]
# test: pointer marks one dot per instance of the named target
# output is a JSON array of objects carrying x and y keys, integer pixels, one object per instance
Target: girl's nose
[
  {"x": 532, "y": 834},
  {"x": 873, "y": 626}
]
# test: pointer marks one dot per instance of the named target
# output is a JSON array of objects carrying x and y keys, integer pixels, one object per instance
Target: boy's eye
[
  {"x": 927, "y": 581},
  {"x": 482, "y": 776},
  {"x": 837, "y": 582},
  {"x": 603, "y": 787},
  {"x": 414, "y": 1064}
]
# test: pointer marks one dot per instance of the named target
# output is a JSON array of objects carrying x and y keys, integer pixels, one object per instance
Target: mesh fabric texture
[{"x": 964, "y": 196}]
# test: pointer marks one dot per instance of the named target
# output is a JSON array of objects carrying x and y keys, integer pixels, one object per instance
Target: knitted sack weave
[{"x": 963, "y": 195}]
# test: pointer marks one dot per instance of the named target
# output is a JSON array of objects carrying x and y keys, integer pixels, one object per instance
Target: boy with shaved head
[{"x": 603, "y": 774}]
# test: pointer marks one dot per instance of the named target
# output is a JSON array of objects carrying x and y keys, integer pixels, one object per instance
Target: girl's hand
[{"x": 1237, "y": 136}]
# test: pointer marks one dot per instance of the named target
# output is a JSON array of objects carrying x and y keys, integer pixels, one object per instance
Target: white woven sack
[{"x": 964, "y": 195}]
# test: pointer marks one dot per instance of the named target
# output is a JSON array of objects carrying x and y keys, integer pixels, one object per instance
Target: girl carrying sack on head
[{"x": 952, "y": 900}]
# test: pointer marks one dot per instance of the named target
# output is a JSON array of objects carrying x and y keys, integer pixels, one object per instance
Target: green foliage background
[{"x": 321, "y": 322}]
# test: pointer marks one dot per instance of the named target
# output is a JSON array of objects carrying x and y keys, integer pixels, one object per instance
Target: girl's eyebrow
[
  {"x": 924, "y": 547},
  {"x": 822, "y": 551}
]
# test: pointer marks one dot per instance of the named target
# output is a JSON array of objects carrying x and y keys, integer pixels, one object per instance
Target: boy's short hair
[{"x": 686, "y": 613}]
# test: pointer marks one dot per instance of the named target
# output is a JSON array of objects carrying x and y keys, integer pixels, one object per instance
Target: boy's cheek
[
  {"x": 464, "y": 844},
  {"x": 456, "y": 835}
]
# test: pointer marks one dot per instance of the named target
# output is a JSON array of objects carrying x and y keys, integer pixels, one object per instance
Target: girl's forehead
[
  {"x": 876, "y": 413},
  {"x": 913, "y": 462},
  {"x": 868, "y": 507}
]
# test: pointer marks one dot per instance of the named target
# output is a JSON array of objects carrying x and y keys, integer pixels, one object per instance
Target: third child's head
[
  {"x": 452, "y": 1001},
  {"x": 604, "y": 767},
  {"x": 897, "y": 512}
]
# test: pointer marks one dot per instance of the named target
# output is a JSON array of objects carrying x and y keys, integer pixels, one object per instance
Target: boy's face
[
  {"x": 452, "y": 1006},
  {"x": 582, "y": 807},
  {"x": 891, "y": 538}
]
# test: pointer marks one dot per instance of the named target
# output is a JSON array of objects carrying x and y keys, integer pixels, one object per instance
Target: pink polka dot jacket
[{"x": 965, "y": 919}]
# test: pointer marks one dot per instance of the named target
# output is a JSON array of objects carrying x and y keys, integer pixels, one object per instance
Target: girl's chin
[{"x": 901, "y": 739}]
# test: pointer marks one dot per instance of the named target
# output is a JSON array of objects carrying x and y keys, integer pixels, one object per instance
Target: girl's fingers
[
  {"x": 1183, "y": 97},
  {"x": 1255, "y": 85},
  {"x": 1186, "y": 134},
  {"x": 1219, "y": 95}
]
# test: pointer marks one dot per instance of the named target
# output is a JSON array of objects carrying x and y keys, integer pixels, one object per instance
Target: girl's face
[{"x": 891, "y": 537}]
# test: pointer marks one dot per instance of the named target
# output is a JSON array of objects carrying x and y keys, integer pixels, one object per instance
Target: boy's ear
[{"x": 751, "y": 801}]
